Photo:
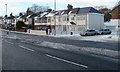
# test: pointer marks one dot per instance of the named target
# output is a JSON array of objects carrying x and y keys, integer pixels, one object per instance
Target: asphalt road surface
[{"x": 18, "y": 55}]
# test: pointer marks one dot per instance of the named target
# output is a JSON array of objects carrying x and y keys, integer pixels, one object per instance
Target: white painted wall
[
  {"x": 81, "y": 19},
  {"x": 30, "y": 21},
  {"x": 1, "y": 21},
  {"x": 95, "y": 21}
]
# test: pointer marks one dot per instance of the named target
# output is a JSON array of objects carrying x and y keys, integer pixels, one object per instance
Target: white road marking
[
  {"x": 26, "y": 48},
  {"x": 67, "y": 61},
  {"x": 9, "y": 42}
]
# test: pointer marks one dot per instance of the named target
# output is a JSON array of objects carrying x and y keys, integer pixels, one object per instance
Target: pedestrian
[
  {"x": 46, "y": 31},
  {"x": 7, "y": 32}
]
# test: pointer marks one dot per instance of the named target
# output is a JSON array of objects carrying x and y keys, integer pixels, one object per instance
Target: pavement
[{"x": 18, "y": 55}]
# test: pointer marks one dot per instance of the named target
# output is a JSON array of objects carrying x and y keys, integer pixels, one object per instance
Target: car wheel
[
  {"x": 95, "y": 33},
  {"x": 81, "y": 34},
  {"x": 86, "y": 34},
  {"x": 102, "y": 33},
  {"x": 98, "y": 33},
  {"x": 109, "y": 33}
]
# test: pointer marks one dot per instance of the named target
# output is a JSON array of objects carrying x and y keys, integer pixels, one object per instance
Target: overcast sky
[{"x": 16, "y": 6}]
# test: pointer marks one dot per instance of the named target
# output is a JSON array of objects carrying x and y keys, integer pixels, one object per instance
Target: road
[{"x": 18, "y": 55}]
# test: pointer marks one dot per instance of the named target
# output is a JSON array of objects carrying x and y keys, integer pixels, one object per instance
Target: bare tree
[
  {"x": 36, "y": 8},
  {"x": 106, "y": 11},
  {"x": 100, "y": 7}
]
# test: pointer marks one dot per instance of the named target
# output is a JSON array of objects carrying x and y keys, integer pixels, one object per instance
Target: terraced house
[{"x": 70, "y": 20}]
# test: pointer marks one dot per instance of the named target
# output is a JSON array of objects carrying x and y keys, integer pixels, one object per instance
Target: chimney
[
  {"x": 69, "y": 7},
  {"x": 49, "y": 10},
  {"x": 30, "y": 13}
]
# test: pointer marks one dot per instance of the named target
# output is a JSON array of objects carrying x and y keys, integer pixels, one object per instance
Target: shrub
[{"x": 20, "y": 24}]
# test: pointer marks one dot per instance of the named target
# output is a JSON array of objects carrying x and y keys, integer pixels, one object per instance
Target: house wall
[
  {"x": 1, "y": 21},
  {"x": 81, "y": 19},
  {"x": 30, "y": 21},
  {"x": 95, "y": 21},
  {"x": 64, "y": 19},
  {"x": 64, "y": 26},
  {"x": 20, "y": 19},
  {"x": 52, "y": 22},
  {"x": 116, "y": 12},
  {"x": 72, "y": 18},
  {"x": 68, "y": 29},
  {"x": 8, "y": 21}
]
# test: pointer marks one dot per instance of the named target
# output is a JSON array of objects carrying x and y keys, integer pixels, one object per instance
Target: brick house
[{"x": 115, "y": 15}]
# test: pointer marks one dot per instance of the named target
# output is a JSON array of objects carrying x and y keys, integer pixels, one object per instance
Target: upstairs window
[
  {"x": 49, "y": 20},
  {"x": 64, "y": 18},
  {"x": 81, "y": 18},
  {"x": 67, "y": 18},
  {"x": 72, "y": 18}
]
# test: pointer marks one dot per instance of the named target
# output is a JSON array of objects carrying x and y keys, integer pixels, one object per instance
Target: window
[
  {"x": 64, "y": 18},
  {"x": 52, "y": 20},
  {"x": 59, "y": 19},
  {"x": 64, "y": 27},
  {"x": 49, "y": 20},
  {"x": 13, "y": 20},
  {"x": 81, "y": 18},
  {"x": 67, "y": 18},
  {"x": 72, "y": 18}
]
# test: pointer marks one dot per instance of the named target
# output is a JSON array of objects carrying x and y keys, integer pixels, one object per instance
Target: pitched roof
[
  {"x": 88, "y": 10},
  {"x": 116, "y": 7},
  {"x": 78, "y": 11},
  {"x": 33, "y": 15},
  {"x": 66, "y": 11},
  {"x": 72, "y": 11},
  {"x": 11, "y": 17}
]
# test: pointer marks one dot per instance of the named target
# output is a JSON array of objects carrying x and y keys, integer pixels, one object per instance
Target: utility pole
[
  {"x": 6, "y": 9},
  {"x": 55, "y": 5},
  {"x": 6, "y": 16}
]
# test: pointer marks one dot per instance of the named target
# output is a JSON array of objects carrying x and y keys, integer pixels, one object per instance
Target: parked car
[
  {"x": 88, "y": 32},
  {"x": 105, "y": 31}
]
